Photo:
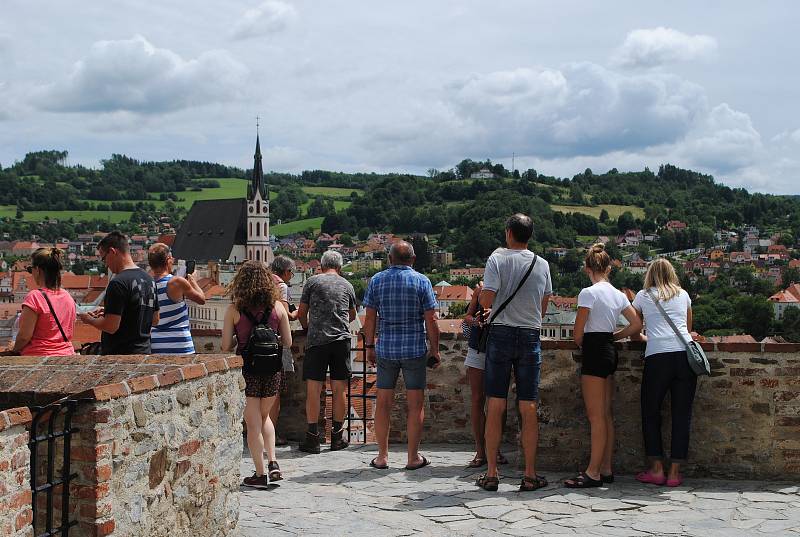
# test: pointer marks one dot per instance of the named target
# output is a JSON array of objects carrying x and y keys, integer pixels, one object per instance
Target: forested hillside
[{"x": 467, "y": 214}]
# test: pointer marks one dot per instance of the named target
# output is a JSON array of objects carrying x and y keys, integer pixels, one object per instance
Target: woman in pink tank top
[
  {"x": 48, "y": 312},
  {"x": 253, "y": 291}
]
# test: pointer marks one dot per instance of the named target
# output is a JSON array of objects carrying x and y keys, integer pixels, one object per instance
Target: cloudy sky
[{"x": 387, "y": 85}]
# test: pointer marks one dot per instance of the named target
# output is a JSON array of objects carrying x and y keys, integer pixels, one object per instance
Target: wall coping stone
[
  {"x": 145, "y": 383},
  {"x": 124, "y": 375},
  {"x": 15, "y": 416}
]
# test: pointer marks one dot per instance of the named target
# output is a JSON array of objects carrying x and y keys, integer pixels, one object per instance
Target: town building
[
  {"x": 449, "y": 295},
  {"x": 787, "y": 298}
]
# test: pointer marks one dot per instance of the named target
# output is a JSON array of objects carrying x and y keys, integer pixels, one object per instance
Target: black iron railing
[
  {"x": 44, "y": 482},
  {"x": 364, "y": 395}
]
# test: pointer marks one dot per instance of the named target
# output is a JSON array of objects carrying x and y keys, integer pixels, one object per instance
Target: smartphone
[
  {"x": 190, "y": 266},
  {"x": 292, "y": 308},
  {"x": 432, "y": 361}
]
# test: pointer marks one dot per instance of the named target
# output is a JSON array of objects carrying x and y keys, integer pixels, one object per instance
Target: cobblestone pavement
[{"x": 335, "y": 494}]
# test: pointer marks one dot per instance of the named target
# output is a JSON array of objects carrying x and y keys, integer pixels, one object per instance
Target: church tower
[{"x": 258, "y": 247}]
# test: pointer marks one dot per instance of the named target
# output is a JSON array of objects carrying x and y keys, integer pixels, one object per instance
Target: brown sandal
[
  {"x": 529, "y": 484},
  {"x": 488, "y": 483},
  {"x": 477, "y": 462}
]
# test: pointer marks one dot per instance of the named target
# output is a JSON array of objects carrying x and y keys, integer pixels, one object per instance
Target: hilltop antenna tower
[{"x": 513, "y": 155}]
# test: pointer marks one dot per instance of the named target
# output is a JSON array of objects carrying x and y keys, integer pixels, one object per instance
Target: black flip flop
[
  {"x": 607, "y": 479},
  {"x": 425, "y": 462},
  {"x": 583, "y": 481},
  {"x": 378, "y": 466}
]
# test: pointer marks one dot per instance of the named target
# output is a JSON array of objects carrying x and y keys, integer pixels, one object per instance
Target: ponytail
[
  {"x": 597, "y": 259},
  {"x": 50, "y": 262}
]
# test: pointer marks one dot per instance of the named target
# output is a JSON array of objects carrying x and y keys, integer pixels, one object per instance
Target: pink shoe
[
  {"x": 649, "y": 478},
  {"x": 675, "y": 482}
]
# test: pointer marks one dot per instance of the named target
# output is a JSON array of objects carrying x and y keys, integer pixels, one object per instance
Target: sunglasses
[{"x": 29, "y": 269}]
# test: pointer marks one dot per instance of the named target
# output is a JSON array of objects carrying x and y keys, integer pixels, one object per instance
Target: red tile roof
[
  {"x": 789, "y": 295},
  {"x": 453, "y": 292}
]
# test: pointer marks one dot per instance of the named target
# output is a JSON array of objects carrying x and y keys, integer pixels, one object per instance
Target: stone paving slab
[{"x": 334, "y": 494}]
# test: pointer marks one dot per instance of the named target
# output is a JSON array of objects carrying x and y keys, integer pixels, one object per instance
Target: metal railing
[
  {"x": 364, "y": 395},
  {"x": 44, "y": 480}
]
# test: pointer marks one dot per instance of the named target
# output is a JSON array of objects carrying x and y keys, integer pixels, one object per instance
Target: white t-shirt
[
  {"x": 605, "y": 303},
  {"x": 660, "y": 336}
]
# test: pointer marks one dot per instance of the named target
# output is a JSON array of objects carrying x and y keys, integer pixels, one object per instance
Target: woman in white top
[
  {"x": 475, "y": 363},
  {"x": 599, "y": 307},
  {"x": 666, "y": 369}
]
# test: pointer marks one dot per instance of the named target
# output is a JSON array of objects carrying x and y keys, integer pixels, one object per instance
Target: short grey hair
[
  {"x": 331, "y": 260},
  {"x": 402, "y": 253},
  {"x": 282, "y": 264}
]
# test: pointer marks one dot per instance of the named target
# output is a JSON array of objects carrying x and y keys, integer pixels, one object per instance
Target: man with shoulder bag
[{"x": 517, "y": 287}]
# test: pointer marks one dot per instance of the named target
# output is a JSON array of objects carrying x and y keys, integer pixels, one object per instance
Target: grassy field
[
  {"x": 613, "y": 210},
  {"x": 330, "y": 191},
  {"x": 115, "y": 217},
  {"x": 294, "y": 227},
  {"x": 229, "y": 188}
]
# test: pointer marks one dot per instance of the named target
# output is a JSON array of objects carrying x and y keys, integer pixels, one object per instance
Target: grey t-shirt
[
  {"x": 330, "y": 298},
  {"x": 504, "y": 270}
]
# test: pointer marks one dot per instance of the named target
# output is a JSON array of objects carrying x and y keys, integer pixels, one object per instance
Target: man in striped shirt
[{"x": 173, "y": 334}]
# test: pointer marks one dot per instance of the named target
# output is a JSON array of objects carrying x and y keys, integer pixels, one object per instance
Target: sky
[{"x": 379, "y": 85}]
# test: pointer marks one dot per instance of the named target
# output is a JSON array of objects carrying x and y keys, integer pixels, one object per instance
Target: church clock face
[{"x": 250, "y": 209}]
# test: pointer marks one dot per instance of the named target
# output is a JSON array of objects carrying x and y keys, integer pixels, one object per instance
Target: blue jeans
[
  {"x": 514, "y": 348},
  {"x": 414, "y": 373}
]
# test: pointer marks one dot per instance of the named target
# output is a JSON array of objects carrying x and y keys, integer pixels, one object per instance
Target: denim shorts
[
  {"x": 518, "y": 349},
  {"x": 414, "y": 373}
]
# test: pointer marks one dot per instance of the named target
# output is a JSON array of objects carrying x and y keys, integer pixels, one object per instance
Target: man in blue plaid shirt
[{"x": 402, "y": 302}]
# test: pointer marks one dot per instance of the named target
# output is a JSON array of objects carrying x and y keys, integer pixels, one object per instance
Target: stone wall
[
  {"x": 16, "y": 515},
  {"x": 746, "y": 415},
  {"x": 159, "y": 439}
]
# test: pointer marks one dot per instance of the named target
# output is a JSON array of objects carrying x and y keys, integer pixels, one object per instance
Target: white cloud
[
  {"x": 270, "y": 17},
  {"x": 658, "y": 46},
  {"x": 582, "y": 109},
  {"x": 724, "y": 140},
  {"x": 133, "y": 75}
]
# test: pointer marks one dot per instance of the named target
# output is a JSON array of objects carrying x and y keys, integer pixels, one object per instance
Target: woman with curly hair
[{"x": 253, "y": 297}]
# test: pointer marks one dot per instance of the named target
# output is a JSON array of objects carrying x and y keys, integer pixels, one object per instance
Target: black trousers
[{"x": 667, "y": 372}]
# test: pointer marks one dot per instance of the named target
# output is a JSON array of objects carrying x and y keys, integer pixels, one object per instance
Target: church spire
[{"x": 257, "y": 183}]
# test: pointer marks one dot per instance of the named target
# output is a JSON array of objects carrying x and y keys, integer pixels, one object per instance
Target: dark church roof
[{"x": 211, "y": 230}]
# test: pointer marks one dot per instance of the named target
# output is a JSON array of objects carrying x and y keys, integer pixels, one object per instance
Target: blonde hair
[
  {"x": 661, "y": 275},
  {"x": 253, "y": 287},
  {"x": 597, "y": 259}
]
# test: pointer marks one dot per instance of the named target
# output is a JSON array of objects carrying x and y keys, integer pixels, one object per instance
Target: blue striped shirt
[
  {"x": 401, "y": 296},
  {"x": 173, "y": 334}
]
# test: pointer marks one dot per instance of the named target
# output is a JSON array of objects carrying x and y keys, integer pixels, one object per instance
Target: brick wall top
[
  {"x": 29, "y": 380},
  {"x": 14, "y": 416},
  {"x": 639, "y": 345}
]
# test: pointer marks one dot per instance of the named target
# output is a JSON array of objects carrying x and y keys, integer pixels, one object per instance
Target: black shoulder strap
[
  {"x": 249, "y": 316},
  {"x": 519, "y": 286},
  {"x": 53, "y": 313}
]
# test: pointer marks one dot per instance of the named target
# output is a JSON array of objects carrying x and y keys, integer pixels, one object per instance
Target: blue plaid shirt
[{"x": 401, "y": 296}]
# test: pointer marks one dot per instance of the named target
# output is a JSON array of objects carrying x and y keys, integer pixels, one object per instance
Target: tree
[
  {"x": 790, "y": 276},
  {"x": 753, "y": 315},
  {"x": 604, "y": 216},
  {"x": 346, "y": 239},
  {"x": 457, "y": 310},
  {"x": 791, "y": 324},
  {"x": 625, "y": 222},
  {"x": 420, "y": 243},
  {"x": 363, "y": 234}
]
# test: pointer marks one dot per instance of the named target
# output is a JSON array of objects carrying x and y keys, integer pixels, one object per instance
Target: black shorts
[
  {"x": 599, "y": 354},
  {"x": 335, "y": 354}
]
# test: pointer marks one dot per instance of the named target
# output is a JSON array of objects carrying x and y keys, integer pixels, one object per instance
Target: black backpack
[{"x": 262, "y": 355}]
